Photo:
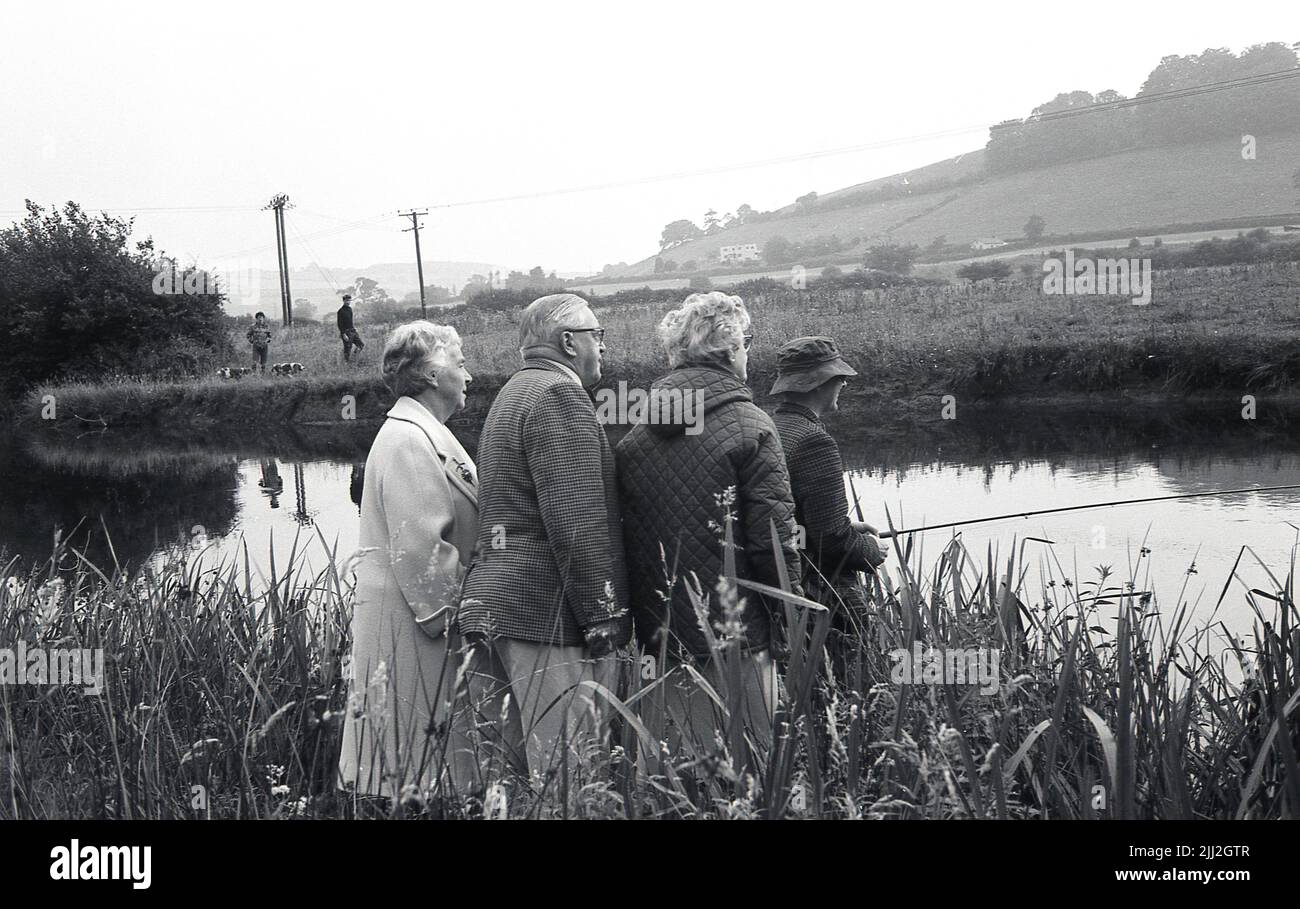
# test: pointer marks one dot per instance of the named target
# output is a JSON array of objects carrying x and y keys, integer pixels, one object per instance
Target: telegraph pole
[
  {"x": 277, "y": 204},
  {"x": 419, "y": 262}
]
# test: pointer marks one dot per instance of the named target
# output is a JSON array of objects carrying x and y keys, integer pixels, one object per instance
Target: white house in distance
[
  {"x": 988, "y": 243},
  {"x": 742, "y": 252}
]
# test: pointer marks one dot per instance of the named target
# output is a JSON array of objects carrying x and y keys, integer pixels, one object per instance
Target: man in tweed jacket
[{"x": 547, "y": 600}]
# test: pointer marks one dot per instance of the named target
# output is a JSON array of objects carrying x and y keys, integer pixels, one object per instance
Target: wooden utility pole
[
  {"x": 419, "y": 262},
  {"x": 277, "y": 204}
]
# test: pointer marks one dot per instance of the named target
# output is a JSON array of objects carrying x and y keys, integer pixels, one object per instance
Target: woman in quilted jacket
[{"x": 705, "y": 456}]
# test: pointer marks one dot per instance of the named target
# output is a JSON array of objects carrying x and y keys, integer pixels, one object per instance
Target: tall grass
[{"x": 224, "y": 696}]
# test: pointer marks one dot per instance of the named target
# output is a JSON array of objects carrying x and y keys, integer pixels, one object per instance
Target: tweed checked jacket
[
  {"x": 550, "y": 541},
  {"x": 671, "y": 483},
  {"x": 833, "y": 551}
]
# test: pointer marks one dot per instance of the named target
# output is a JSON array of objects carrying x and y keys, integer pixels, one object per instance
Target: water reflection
[
  {"x": 300, "y": 513},
  {"x": 271, "y": 484},
  {"x": 125, "y": 499},
  {"x": 122, "y": 498},
  {"x": 357, "y": 483}
]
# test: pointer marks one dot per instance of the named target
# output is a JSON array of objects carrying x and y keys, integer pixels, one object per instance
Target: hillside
[{"x": 1140, "y": 188}]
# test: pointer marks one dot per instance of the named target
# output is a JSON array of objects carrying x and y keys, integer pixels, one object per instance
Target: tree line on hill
[{"x": 1071, "y": 126}]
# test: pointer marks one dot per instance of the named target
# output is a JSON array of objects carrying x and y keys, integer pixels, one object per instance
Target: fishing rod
[{"x": 1030, "y": 514}]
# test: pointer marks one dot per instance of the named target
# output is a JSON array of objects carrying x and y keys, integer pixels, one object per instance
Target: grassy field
[
  {"x": 1225, "y": 331},
  {"x": 221, "y": 698}
]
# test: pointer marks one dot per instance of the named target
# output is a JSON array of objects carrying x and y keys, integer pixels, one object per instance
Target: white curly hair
[{"x": 704, "y": 329}]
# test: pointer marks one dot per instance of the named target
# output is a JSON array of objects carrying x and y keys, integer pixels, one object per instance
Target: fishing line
[{"x": 1030, "y": 514}]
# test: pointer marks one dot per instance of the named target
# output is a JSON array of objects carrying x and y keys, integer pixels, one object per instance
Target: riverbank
[{"x": 1214, "y": 333}]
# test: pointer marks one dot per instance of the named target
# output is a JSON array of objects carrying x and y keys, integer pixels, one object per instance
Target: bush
[
  {"x": 891, "y": 257},
  {"x": 77, "y": 302},
  {"x": 871, "y": 279},
  {"x": 756, "y": 287},
  {"x": 501, "y": 300},
  {"x": 992, "y": 269},
  {"x": 700, "y": 282},
  {"x": 778, "y": 251}
]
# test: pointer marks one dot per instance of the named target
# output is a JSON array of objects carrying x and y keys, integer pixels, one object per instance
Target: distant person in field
[
  {"x": 260, "y": 337},
  {"x": 347, "y": 330}
]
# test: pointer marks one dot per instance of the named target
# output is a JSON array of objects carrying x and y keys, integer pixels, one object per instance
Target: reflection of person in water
[
  {"x": 271, "y": 483},
  {"x": 357, "y": 483}
]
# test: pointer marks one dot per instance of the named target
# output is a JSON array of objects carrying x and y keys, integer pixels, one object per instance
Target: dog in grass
[{"x": 287, "y": 369}]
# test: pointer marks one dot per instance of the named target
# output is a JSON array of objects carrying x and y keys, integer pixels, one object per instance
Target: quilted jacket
[
  {"x": 833, "y": 551},
  {"x": 550, "y": 555},
  {"x": 673, "y": 487}
]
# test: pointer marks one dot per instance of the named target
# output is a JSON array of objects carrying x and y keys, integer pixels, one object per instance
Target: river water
[{"x": 137, "y": 500}]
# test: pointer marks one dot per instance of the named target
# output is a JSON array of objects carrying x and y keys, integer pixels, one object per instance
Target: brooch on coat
[{"x": 465, "y": 473}]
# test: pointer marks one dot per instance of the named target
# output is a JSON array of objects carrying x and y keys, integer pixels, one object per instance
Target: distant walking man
[
  {"x": 260, "y": 337},
  {"x": 347, "y": 331},
  {"x": 547, "y": 601}
]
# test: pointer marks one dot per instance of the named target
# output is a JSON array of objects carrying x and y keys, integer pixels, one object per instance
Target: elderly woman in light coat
[{"x": 404, "y": 731}]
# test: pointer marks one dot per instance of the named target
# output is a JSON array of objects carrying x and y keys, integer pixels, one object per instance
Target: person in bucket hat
[
  {"x": 805, "y": 364},
  {"x": 810, "y": 375}
]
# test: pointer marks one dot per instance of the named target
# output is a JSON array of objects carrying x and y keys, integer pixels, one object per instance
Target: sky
[{"x": 190, "y": 116}]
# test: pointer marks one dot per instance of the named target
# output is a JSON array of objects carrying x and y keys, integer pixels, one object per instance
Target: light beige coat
[{"x": 419, "y": 525}]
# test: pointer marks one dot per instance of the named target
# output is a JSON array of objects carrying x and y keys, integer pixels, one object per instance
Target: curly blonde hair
[{"x": 704, "y": 329}]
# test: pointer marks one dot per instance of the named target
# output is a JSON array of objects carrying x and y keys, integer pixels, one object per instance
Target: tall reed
[{"x": 224, "y": 695}]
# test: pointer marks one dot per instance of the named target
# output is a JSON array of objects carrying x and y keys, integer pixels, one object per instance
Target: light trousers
[{"x": 548, "y": 707}]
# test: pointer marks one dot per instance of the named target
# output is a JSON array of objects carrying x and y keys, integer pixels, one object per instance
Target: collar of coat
[
  {"x": 551, "y": 365},
  {"x": 716, "y": 386},
  {"x": 791, "y": 407},
  {"x": 720, "y": 385},
  {"x": 409, "y": 410}
]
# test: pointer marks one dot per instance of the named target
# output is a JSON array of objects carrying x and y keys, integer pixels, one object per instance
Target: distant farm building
[
  {"x": 743, "y": 252},
  {"x": 988, "y": 243}
]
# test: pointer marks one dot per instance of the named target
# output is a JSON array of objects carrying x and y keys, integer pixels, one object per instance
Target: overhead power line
[
  {"x": 1138, "y": 101},
  {"x": 314, "y": 235},
  {"x": 132, "y": 210},
  {"x": 311, "y": 255}
]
